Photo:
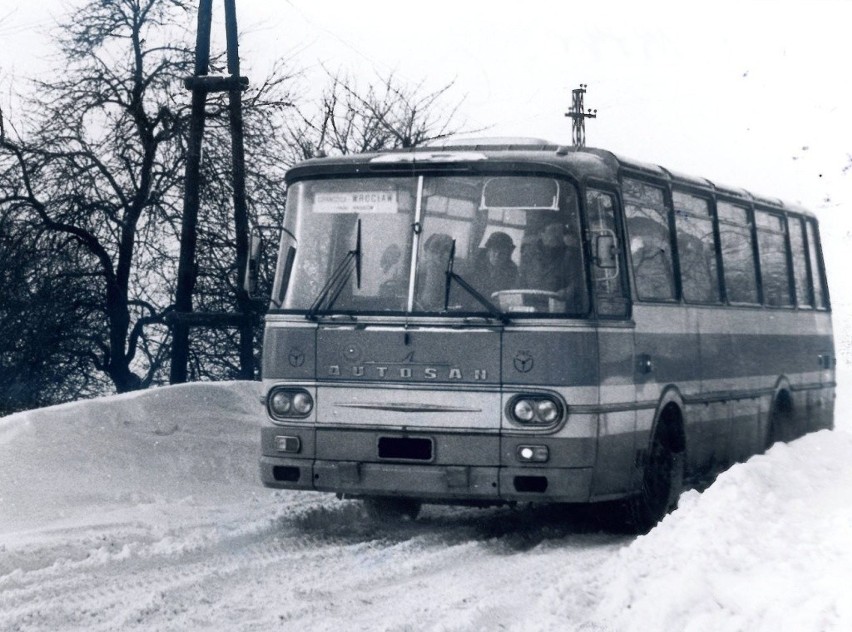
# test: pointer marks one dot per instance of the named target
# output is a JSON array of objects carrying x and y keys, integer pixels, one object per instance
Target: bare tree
[
  {"x": 43, "y": 359},
  {"x": 386, "y": 114},
  {"x": 96, "y": 170},
  {"x": 104, "y": 167}
]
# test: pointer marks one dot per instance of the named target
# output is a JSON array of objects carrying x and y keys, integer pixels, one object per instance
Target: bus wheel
[
  {"x": 662, "y": 482},
  {"x": 384, "y": 509},
  {"x": 782, "y": 422}
]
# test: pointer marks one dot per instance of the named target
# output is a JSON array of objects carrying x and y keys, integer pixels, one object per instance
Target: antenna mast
[{"x": 578, "y": 126}]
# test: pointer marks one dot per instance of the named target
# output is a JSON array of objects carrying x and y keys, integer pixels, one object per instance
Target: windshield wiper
[
  {"x": 337, "y": 281},
  {"x": 493, "y": 310}
]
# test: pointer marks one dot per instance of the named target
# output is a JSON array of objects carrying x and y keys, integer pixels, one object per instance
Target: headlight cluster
[
  {"x": 535, "y": 410},
  {"x": 289, "y": 403}
]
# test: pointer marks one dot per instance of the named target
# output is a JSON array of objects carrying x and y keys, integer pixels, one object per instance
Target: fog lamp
[
  {"x": 533, "y": 453},
  {"x": 288, "y": 444}
]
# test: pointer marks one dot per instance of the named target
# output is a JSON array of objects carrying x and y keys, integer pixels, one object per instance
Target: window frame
[
  {"x": 752, "y": 237},
  {"x": 707, "y": 197},
  {"x": 800, "y": 221},
  {"x": 782, "y": 216},
  {"x": 613, "y": 189},
  {"x": 813, "y": 225},
  {"x": 666, "y": 189}
]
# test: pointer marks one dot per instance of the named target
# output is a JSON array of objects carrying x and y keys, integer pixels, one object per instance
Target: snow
[
  {"x": 766, "y": 547},
  {"x": 144, "y": 512}
]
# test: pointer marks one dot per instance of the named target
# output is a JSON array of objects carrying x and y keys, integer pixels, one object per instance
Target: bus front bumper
[{"x": 437, "y": 483}]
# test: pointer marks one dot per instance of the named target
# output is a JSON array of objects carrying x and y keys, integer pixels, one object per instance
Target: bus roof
[{"x": 527, "y": 154}]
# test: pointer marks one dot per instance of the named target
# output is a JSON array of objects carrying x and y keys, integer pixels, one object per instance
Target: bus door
[
  {"x": 708, "y": 424},
  {"x": 617, "y": 391},
  {"x": 666, "y": 333}
]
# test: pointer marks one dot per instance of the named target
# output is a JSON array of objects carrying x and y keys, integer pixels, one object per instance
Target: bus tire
[
  {"x": 662, "y": 482},
  {"x": 782, "y": 420},
  {"x": 387, "y": 509}
]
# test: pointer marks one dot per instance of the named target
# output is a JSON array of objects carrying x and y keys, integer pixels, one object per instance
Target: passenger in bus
[
  {"x": 652, "y": 261},
  {"x": 495, "y": 271},
  {"x": 551, "y": 261},
  {"x": 392, "y": 279},
  {"x": 432, "y": 273}
]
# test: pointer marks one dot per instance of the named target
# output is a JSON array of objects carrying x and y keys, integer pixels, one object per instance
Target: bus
[{"x": 508, "y": 320}]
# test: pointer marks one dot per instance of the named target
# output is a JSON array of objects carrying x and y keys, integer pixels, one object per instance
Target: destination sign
[{"x": 356, "y": 202}]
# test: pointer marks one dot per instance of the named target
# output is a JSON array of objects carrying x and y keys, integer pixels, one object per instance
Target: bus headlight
[
  {"x": 535, "y": 409},
  {"x": 547, "y": 410},
  {"x": 302, "y": 403},
  {"x": 280, "y": 403},
  {"x": 524, "y": 410},
  {"x": 289, "y": 403}
]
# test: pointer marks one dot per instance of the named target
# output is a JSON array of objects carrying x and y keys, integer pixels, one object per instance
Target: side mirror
[
  {"x": 605, "y": 255},
  {"x": 253, "y": 265},
  {"x": 282, "y": 280},
  {"x": 606, "y": 251}
]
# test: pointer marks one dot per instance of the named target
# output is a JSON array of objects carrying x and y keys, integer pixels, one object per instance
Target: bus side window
[
  {"x": 650, "y": 240},
  {"x": 737, "y": 253},
  {"x": 774, "y": 271},
  {"x": 696, "y": 245},
  {"x": 804, "y": 297},
  {"x": 820, "y": 295},
  {"x": 608, "y": 272}
]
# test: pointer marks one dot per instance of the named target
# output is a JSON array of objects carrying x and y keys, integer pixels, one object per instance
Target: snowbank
[
  {"x": 766, "y": 547},
  {"x": 161, "y": 443}
]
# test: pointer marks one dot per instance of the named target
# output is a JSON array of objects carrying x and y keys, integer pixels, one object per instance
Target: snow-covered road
[
  {"x": 144, "y": 512},
  {"x": 300, "y": 563}
]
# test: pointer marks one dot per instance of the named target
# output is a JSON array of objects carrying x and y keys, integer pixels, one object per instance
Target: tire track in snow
[
  {"x": 302, "y": 562},
  {"x": 101, "y": 565}
]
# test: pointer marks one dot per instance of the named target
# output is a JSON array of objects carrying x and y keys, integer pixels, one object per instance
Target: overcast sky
[{"x": 751, "y": 94}]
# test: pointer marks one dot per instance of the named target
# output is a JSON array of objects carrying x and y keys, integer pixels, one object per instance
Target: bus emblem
[
  {"x": 523, "y": 362},
  {"x": 296, "y": 357}
]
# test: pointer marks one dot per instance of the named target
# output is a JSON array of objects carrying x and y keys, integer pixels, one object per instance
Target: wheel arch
[
  {"x": 781, "y": 420},
  {"x": 782, "y": 391},
  {"x": 670, "y": 417},
  {"x": 651, "y": 502}
]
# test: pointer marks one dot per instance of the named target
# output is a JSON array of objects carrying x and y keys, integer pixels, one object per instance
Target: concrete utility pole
[
  {"x": 578, "y": 127},
  {"x": 201, "y": 85}
]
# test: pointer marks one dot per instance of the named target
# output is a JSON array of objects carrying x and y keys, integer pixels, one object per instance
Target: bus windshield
[{"x": 386, "y": 244}]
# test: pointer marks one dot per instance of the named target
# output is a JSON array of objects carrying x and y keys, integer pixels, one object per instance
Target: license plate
[{"x": 405, "y": 448}]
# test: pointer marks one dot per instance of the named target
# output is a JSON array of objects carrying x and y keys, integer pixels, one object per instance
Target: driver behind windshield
[
  {"x": 551, "y": 261},
  {"x": 495, "y": 271}
]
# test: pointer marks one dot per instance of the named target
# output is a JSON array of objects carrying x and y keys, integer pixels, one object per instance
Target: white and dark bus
[{"x": 509, "y": 320}]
